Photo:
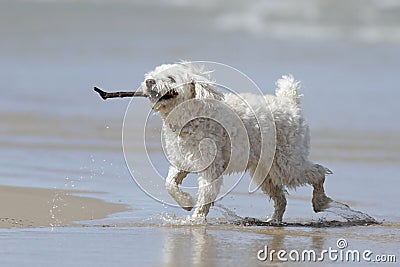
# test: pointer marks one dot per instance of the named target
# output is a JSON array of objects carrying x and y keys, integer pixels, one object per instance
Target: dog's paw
[
  {"x": 198, "y": 218},
  {"x": 321, "y": 202},
  {"x": 186, "y": 201},
  {"x": 273, "y": 221},
  {"x": 187, "y": 208}
]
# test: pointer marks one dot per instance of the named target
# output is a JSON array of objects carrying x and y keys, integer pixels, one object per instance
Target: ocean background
[{"x": 57, "y": 133}]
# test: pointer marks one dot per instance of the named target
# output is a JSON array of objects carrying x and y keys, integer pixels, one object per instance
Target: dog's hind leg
[
  {"x": 320, "y": 200},
  {"x": 316, "y": 176},
  {"x": 207, "y": 193},
  {"x": 174, "y": 179},
  {"x": 277, "y": 194}
]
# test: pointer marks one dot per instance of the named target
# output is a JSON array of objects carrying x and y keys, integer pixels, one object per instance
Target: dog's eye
[{"x": 171, "y": 79}]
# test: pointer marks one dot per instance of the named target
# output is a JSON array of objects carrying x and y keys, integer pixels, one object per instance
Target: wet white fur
[{"x": 285, "y": 138}]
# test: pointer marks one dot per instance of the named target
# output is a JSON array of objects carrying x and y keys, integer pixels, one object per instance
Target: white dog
[{"x": 182, "y": 94}]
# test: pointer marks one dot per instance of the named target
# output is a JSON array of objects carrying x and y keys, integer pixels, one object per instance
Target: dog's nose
[{"x": 150, "y": 83}]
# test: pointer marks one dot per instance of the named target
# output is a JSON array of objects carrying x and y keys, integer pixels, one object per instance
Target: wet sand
[{"x": 23, "y": 207}]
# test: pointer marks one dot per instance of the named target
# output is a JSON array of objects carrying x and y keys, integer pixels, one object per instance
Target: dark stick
[{"x": 106, "y": 95}]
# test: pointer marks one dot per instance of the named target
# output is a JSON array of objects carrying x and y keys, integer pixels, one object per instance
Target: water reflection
[
  {"x": 181, "y": 242},
  {"x": 232, "y": 245}
]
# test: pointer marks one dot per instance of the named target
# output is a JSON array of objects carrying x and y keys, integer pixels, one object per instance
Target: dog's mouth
[
  {"x": 155, "y": 96},
  {"x": 170, "y": 94}
]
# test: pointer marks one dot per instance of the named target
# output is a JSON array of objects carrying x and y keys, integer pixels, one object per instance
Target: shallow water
[
  {"x": 181, "y": 245},
  {"x": 56, "y": 133}
]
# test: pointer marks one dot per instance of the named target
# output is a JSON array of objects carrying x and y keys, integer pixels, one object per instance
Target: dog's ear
[{"x": 204, "y": 90}]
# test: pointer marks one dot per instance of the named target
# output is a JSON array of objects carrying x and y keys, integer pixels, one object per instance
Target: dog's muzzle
[
  {"x": 155, "y": 96},
  {"x": 150, "y": 83},
  {"x": 152, "y": 94}
]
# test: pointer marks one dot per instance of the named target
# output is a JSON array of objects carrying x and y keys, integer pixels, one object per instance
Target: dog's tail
[{"x": 287, "y": 90}]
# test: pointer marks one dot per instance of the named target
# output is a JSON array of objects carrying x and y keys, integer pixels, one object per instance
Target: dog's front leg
[
  {"x": 174, "y": 179},
  {"x": 207, "y": 193}
]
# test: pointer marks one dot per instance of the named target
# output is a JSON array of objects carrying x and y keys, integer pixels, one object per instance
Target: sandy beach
[{"x": 23, "y": 207}]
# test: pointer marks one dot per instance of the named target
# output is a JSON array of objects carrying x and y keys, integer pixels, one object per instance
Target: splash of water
[
  {"x": 171, "y": 220},
  {"x": 55, "y": 209},
  {"x": 349, "y": 214},
  {"x": 229, "y": 217},
  {"x": 352, "y": 217}
]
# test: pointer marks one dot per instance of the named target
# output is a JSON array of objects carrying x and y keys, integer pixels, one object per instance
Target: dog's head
[{"x": 169, "y": 85}]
